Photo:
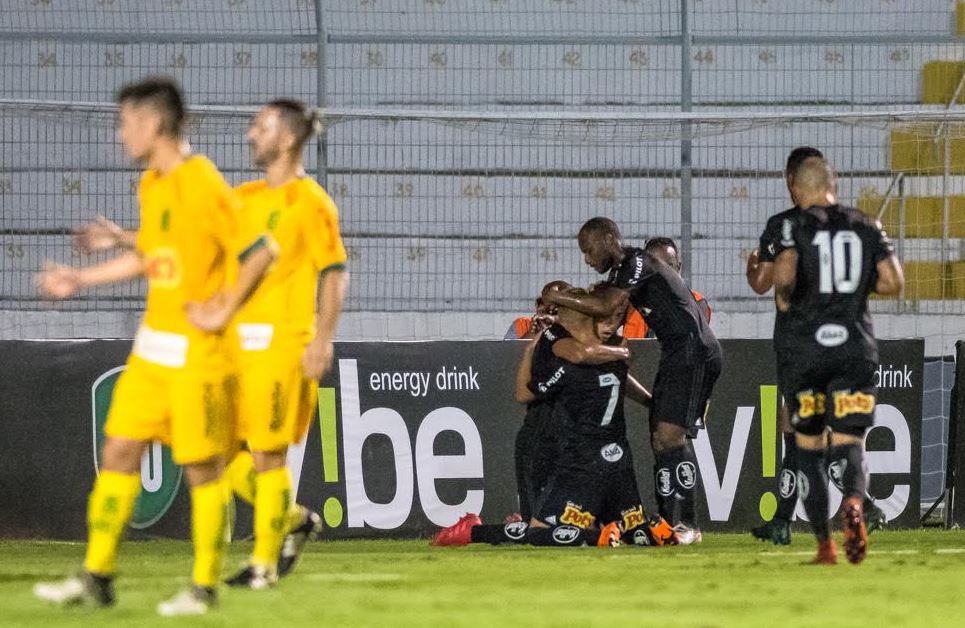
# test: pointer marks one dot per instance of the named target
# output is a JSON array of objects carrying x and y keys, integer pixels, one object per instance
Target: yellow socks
[
  {"x": 109, "y": 508},
  {"x": 208, "y": 517},
  {"x": 273, "y": 501},
  {"x": 241, "y": 476}
]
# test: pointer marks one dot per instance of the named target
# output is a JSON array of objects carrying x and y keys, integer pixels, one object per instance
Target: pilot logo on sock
[
  {"x": 663, "y": 482},
  {"x": 686, "y": 474},
  {"x": 788, "y": 483},
  {"x": 803, "y": 486},
  {"x": 574, "y": 516},
  {"x": 836, "y": 472},
  {"x": 632, "y": 518}
]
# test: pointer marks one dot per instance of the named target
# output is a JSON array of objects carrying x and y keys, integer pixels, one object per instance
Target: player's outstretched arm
[
  {"x": 576, "y": 352},
  {"x": 785, "y": 278},
  {"x": 317, "y": 359},
  {"x": 523, "y": 373},
  {"x": 891, "y": 277},
  {"x": 215, "y": 313},
  {"x": 104, "y": 235},
  {"x": 638, "y": 393},
  {"x": 62, "y": 282},
  {"x": 760, "y": 275},
  {"x": 598, "y": 304}
]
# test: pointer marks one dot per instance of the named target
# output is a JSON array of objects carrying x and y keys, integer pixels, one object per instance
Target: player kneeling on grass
[
  {"x": 591, "y": 495},
  {"x": 180, "y": 383},
  {"x": 833, "y": 258},
  {"x": 286, "y": 341}
]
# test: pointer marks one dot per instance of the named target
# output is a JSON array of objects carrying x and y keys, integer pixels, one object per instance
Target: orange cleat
[
  {"x": 609, "y": 535},
  {"x": 661, "y": 532},
  {"x": 458, "y": 534},
  {"x": 827, "y": 552},
  {"x": 855, "y": 533}
]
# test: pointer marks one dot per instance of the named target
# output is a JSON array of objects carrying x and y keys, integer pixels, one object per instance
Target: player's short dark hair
[
  {"x": 297, "y": 117},
  {"x": 797, "y": 156},
  {"x": 660, "y": 242},
  {"x": 162, "y": 93},
  {"x": 599, "y": 226}
]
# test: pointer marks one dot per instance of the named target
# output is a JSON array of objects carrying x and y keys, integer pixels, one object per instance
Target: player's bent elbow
[{"x": 524, "y": 396}]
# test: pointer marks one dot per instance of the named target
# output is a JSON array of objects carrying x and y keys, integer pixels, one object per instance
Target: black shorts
[
  {"x": 535, "y": 453},
  {"x": 836, "y": 394},
  {"x": 685, "y": 380},
  {"x": 595, "y": 493}
]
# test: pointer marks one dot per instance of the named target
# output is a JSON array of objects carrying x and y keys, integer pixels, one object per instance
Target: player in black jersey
[
  {"x": 591, "y": 494},
  {"x": 760, "y": 277},
  {"x": 665, "y": 249},
  {"x": 690, "y": 357},
  {"x": 835, "y": 256}
]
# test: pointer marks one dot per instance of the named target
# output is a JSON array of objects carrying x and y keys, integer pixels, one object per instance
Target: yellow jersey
[
  {"x": 187, "y": 235},
  {"x": 301, "y": 222}
]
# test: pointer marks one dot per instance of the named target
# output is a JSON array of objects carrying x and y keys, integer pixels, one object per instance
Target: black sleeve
[
  {"x": 881, "y": 245},
  {"x": 548, "y": 374},
  {"x": 635, "y": 271},
  {"x": 777, "y": 237}
]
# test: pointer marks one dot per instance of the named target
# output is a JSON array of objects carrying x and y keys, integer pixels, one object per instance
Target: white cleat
[
  {"x": 687, "y": 535},
  {"x": 194, "y": 601},
  {"x": 68, "y": 591}
]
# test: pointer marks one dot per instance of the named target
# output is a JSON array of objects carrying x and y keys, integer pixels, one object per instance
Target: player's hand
[
  {"x": 212, "y": 315},
  {"x": 58, "y": 281},
  {"x": 317, "y": 359},
  {"x": 542, "y": 322},
  {"x": 99, "y": 235},
  {"x": 549, "y": 294}
]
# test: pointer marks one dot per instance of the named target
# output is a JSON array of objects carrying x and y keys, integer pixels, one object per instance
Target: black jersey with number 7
[{"x": 839, "y": 249}]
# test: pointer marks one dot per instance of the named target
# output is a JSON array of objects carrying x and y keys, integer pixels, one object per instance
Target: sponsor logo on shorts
[
  {"x": 663, "y": 482},
  {"x": 640, "y": 537},
  {"x": 687, "y": 474},
  {"x": 803, "y": 486},
  {"x": 853, "y": 403},
  {"x": 810, "y": 404},
  {"x": 573, "y": 515},
  {"x": 549, "y": 335},
  {"x": 566, "y": 534},
  {"x": 836, "y": 472},
  {"x": 632, "y": 518},
  {"x": 788, "y": 483},
  {"x": 831, "y": 335},
  {"x": 515, "y": 530},
  {"x": 612, "y": 452}
]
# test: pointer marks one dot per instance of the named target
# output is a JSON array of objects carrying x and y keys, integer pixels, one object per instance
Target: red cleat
[
  {"x": 855, "y": 533},
  {"x": 827, "y": 553},
  {"x": 458, "y": 534}
]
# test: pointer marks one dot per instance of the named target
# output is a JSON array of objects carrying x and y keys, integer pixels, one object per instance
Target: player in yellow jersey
[
  {"x": 286, "y": 340},
  {"x": 180, "y": 382}
]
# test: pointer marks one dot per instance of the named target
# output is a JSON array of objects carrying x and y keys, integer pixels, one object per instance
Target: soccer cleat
[
  {"x": 687, "y": 535},
  {"x": 253, "y": 577},
  {"x": 777, "y": 531},
  {"x": 458, "y": 534},
  {"x": 609, "y": 535},
  {"x": 874, "y": 517},
  {"x": 194, "y": 601},
  {"x": 660, "y": 531},
  {"x": 827, "y": 553},
  {"x": 296, "y": 539},
  {"x": 84, "y": 588},
  {"x": 855, "y": 533}
]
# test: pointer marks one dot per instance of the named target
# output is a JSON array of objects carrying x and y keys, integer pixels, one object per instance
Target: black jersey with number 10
[{"x": 839, "y": 249}]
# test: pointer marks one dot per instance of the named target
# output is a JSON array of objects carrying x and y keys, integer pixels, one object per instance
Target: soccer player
[
  {"x": 834, "y": 257},
  {"x": 690, "y": 357},
  {"x": 665, "y": 249},
  {"x": 285, "y": 345},
  {"x": 180, "y": 383},
  {"x": 760, "y": 277}
]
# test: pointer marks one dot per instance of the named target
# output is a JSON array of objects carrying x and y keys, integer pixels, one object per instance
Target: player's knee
[
  {"x": 809, "y": 438},
  {"x": 122, "y": 455},
  {"x": 847, "y": 435},
  {"x": 204, "y": 471},
  {"x": 668, "y": 436},
  {"x": 269, "y": 460}
]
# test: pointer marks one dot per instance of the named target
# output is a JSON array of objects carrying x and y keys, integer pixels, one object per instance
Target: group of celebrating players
[
  {"x": 245, "y": 288},
  {"x": 575, "y": 476}
]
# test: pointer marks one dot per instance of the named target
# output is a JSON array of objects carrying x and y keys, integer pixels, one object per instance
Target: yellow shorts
[
  {"x": 277, "y": 402},
  {"x": 190, "y": 409}
]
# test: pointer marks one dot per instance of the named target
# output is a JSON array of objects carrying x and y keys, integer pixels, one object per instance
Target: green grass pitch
[{"x": 913, "y": 578}]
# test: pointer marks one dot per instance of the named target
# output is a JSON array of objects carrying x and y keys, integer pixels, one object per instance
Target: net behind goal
[{"x": 474, "y": 211}]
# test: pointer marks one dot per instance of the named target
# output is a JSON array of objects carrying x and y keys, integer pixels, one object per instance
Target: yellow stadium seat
[
  {"x": 925, "y": 280},
  {"x": 939, "y": 80}
]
